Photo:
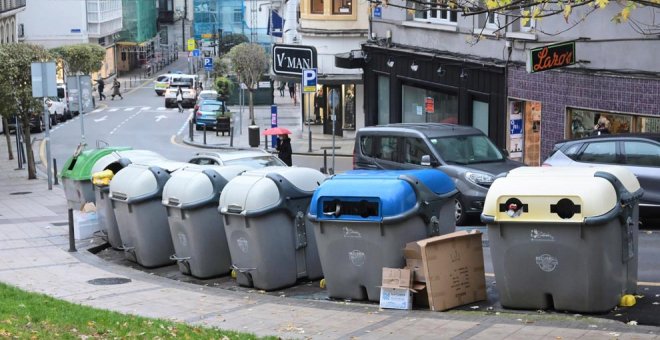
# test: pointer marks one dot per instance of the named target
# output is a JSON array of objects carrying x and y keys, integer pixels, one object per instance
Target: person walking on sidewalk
[
  {"x": 292, "y": 92},
  {"x": 284, "y": 149},
  {"x": 179, "y": 99},
  {"x": 101, "y": 87},
  {"x": 116, "y": 89},
  {"x": 281, "y": 88}
]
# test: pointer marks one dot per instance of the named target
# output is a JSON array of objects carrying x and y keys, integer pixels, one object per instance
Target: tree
[
  {"x": 5, "y": 115},
  {"x": 228, "y": 41},
  {"x": 526, "y": 10},
  {"x": 81, "y": 58},
  {"x": 16, "y": 84},
  {"x": 224, "y": 86},
  {"x": 249, "y": 62}
]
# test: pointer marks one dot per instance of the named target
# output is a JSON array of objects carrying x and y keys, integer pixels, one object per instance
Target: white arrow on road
[
  {"x": 158, "y": 118},
  {"x": 100, "y": 119}
]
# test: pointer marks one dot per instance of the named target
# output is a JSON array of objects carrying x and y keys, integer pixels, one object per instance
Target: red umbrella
[{"x": 276, "y": 131}]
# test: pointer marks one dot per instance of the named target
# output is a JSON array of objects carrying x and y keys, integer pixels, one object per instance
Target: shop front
[
  {"x": 405, "y": 86},
  {"x": 338, "y": 100}
]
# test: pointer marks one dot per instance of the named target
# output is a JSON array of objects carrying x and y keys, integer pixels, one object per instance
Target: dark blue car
[{"x": 208, "y": 113}]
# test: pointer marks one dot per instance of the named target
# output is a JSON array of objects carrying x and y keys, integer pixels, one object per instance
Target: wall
[{"x": 40, "y": 28}]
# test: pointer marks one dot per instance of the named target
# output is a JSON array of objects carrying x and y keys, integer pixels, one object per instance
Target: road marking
[
  {"x": 161, "y": 108},
  {"x": 146, "y": 107},
  {"x": 98, "y": 110},
  {"x": 125, "y": 121},
  {"x": 129, "y": 109},
  {"x": 113, "y": 110},
  {"x": 185, "y": 125},
  {"x": 101, "y": 119},
  {"x": 158, "y": 118}
]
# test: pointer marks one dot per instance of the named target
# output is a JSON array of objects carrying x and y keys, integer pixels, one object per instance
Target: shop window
[
  {"x": 316, "y": 7},
  {"x": 425, "y": 106},
  {"x": 432, "y": 11},
  {"x": 582, "y": 123},
  {"x": 349, "y": 107},
  {"x": 342, "y": 7},
  {"x": 600, "y": 152},
  {"x": 648, "y": 124},
  {"x": 383, "y": 100},
  {"x": 480, "y": 116},
  {"x": 642, "y": 154}
]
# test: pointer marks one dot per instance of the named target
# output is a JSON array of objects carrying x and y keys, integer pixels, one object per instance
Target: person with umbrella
[{"x": 284, "y": 149}]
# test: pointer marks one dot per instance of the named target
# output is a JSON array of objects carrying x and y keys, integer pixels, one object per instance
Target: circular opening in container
[{"x": 565, "y": 208}]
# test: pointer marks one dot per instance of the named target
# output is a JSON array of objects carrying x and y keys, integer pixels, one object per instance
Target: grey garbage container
[
  {"x": 191, "y": 198},
  {"x": 363, "y": 219},
  {"x": 270, "y": 240},
  {"x": 141, "y": 217},
  {"x": 114, "y": 162},
  {"x": 564, "y": 238}
]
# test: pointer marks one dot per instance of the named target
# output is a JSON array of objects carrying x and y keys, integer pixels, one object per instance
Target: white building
[
  {"x": 8, "y": 27},
  {"x": 54, "y": 23}
]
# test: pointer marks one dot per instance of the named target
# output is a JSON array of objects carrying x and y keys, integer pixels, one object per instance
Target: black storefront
[{"x": 414, "y": 86}]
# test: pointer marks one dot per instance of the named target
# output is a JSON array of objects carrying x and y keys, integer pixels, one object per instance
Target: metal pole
[
  {"x": 72, "y": 240},
  {"x": 49, "y": 165},
  {"x": 81, "y": 111},
  {"x": 19, "y": 147},
  {"x": 240, "y": 101},
  {"x": 204, "y": 134},
  {"x": 309, "y": 122},
  {"x": 334, "y": 121},
  {"x": 55, "y": 171}
]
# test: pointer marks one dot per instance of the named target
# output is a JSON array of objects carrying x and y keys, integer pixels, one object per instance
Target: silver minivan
[{"x": 462, "y": 152}]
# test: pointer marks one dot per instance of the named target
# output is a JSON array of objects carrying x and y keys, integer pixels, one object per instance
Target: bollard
[
  {"x": 72, "y": 240},
  {"x": 190, "y": 130},
  {"x": 266, "y": 141},
  {"x": 325, "y": 162},
  {"x": 231, "y": 136},
  {"x": 204, "y": 134},
  {"x": 55, "y": 171}
]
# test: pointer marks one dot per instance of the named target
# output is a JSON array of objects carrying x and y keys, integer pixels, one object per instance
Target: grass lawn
[{"x": 26, "y": 315}]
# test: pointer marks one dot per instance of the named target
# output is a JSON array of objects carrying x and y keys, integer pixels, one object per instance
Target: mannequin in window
[{"x": 319, "y": 105}]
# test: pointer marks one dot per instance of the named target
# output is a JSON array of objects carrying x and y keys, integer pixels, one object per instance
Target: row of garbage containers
[{"x": 562, "y": 238}]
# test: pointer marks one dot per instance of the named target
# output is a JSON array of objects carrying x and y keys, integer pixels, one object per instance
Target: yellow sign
[
  {"x": 207, "y": 36},
  {"x": 191, "y": 44}
]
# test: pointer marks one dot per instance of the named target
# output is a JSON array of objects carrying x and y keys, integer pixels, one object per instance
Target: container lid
[
  {"x": 192, "y": 187},
  {"x": 136, "y": 183},
  {"x": 375, "y": 195},
  {"x": 559, "y": 194},
  {"x": 129, "y": 156},
  {"x": 79, "y": 167},
  {"x": 261, "y": 190}
]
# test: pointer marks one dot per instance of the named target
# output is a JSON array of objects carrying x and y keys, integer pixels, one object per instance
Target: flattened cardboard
[
  {"x": 413, "y": 254},
  {"x": 454, "y": 269}
]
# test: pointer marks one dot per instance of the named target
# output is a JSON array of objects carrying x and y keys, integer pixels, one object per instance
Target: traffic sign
[
  {"x": 196, "y": 53},
  {"x": 309, "y": 80},
  {"x": 208, "y": 63},
  {"x": 191, "y": 44}
]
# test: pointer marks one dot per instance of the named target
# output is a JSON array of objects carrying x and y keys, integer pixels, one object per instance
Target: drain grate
[
  {"x": 107, "y": 281},
  {"x": 20, "y": 193}
]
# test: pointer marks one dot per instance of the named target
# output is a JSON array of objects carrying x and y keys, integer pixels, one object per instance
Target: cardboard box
[
  {"x": 397, "y": 289},
  {"x": 452, "y": 267}
]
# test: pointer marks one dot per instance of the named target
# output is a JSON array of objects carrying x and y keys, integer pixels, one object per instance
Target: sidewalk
[{"x": 34, "y": 244}]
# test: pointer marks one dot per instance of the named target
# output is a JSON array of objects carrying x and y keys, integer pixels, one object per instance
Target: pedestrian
[
  {"x": 179, "y": 99},
  {"x": 292, "y": 92},
  {"x": 281, "y": 88},
  {"x": 603, "y": 126},
  {"x": 116, "y": 89},
  {"x": 284, "y": 149},
  {"x": 101, "y": 87}
]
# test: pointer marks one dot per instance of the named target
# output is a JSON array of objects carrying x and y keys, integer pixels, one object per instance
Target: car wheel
[
  {"x": 459, "y": 212},
  {"x": 41, "y": 126}
]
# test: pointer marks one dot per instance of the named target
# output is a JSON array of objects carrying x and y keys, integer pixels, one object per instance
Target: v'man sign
[{"x": 291, "y": 60}]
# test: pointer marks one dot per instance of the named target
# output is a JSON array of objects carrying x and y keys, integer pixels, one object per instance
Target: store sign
[
  {"x": 551, "y": 56},
  {"x": 430, "y": 104},
  {"x": 293, "y": 59}
]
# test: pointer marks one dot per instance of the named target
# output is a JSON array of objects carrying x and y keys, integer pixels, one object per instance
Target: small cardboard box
[
  {"x": 395, "y": 291},
  {"x": 453, "y": 268}
]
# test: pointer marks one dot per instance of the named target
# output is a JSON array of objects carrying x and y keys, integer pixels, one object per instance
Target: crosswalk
[{"x": 136, "y": 108}]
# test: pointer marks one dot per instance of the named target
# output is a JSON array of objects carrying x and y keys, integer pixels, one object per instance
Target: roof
[
  {"x": 426, "y": 129},
  {"x": 643, "y": 135}
]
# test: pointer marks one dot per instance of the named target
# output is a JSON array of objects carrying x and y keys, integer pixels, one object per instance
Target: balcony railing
[
  {"x": 104, "y": 16},
  {"x": 6, "y": 6},
  {"x": 101, "y": 30}
]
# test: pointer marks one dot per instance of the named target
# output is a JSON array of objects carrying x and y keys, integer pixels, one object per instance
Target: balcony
[
  {"x": 11, "y": 5},
  {"x": 166, "y": 17},
  {"x": 101, "y": 11},
  {"x": 96, "y": 30}
]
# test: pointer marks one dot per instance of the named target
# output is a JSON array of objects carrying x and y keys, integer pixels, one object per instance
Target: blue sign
[
  {"x": 515, "y": 127},
  {"x": 309, "y": 79},
  {"x": 196, "y": 53},
  {"x": 208, "y": 63},
  {"x": 378, "y": 12}
]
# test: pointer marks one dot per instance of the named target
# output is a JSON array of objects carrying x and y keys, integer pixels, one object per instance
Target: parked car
[
  {"x": 162, "y": 83},
  {"x": 208, "y": 113},
  {"x": 58, "y": 109},
  {"x": 462, "y": 152},
  {"x": 187, "y": 85},
  {"x": 36, "y": 123},
  {"x": 255, "y": 158},
  {"x": 205, "y": 95},
  {"x": 63, "y": 96},
  {"x": 638, "y": 152}
]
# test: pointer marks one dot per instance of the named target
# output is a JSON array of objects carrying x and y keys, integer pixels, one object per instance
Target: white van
[
  {"x": 162, "y": 83},
  {"x": 188, "y": 84}
]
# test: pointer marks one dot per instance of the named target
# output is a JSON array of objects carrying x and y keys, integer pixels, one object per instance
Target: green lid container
[{"x": 79, "y": 167}]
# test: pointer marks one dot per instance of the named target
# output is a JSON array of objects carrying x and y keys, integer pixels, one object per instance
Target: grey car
[
  {"x": 462, "y": 152},
  {"x": 638, "y": 152},
  {"x": 255, "y": 158}
]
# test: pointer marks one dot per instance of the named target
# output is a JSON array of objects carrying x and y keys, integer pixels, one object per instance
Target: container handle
[
  {"x": 173, "y": 257},
  {"x": 242, "y": 270}
]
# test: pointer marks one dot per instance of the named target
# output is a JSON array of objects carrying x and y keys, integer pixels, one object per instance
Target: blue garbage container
[{"x": 363, "y": 219}]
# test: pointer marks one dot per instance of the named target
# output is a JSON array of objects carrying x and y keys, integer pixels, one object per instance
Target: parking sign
[
  {"x": 309, "y": 80},
  {"x": 208, "y": 63}
]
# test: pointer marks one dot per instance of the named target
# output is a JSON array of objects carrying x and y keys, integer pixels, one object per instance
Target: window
[
  {"x": 417, "y": 102},
  {"x": 238, "y": 15},
  {"x": 601, "y": 152},
  {"x": 317, "y": 7},
  {"x": 641, "y": 153},
  {"x": 414, "y": 149},
  {"x": 383, "y": 100},
  {"x": 480, "y": 116},
  {"x": 389, "y": 149},
  {"x": 342, "y": 7},
  {"x": 492, "y": 21},
  {"x": 367, "y": 146},
  {"x": 432, "y": 11}
]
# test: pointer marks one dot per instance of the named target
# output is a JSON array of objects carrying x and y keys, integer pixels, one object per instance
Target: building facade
[
  {"x": 9, "y": 30},
  {"x": 246, "y": 17},
  {"x": 138, "y": 39},
  {"x": 431, "y": 64},
  {"x": 73, "y": 22}
]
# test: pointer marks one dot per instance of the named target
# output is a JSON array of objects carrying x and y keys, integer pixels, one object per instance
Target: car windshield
[
  {"x": 256, "y": 162},
  {"x": 162, "y": 79},
  {"x": 210, "y": 107},
  {"x": 208, "y": 95},
  {"x": 467, "y": 149}
]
